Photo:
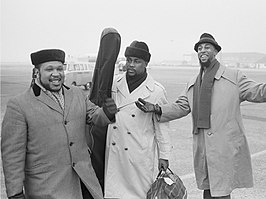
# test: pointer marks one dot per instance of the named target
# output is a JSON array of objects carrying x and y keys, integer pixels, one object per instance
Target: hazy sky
[{"x": 169, "y": 27}]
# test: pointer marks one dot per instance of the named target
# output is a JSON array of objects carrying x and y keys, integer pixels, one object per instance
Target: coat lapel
[
  {"x": 68, "y": 94},
  {"x": 127, "y": 98},
  {"x": 218, "y": 75},
  {"x": 220, "y": 72},
  {"x": 49, "y": 102}
]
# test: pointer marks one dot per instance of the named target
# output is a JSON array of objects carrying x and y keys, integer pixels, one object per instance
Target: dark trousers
[
  {"x": 85, "y": 192},
  {"x": 207, "y": 195}
]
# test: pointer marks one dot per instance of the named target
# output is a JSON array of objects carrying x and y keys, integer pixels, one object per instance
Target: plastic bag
[{"x": 167, "y": 186}]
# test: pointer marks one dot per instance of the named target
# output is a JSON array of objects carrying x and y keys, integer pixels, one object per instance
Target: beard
[
  {"x": 49, "y": 86},
  {"x": 205, "y": 64}
]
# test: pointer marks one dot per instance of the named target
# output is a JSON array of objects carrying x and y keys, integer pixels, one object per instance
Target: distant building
[
  {"x": 261, "y": 63},
  {"x": 87, "y": 58},
  {"x": 171, "y": 62},
  {"x": 241, "y": 60},
  {"x": 236, "y": 60}
]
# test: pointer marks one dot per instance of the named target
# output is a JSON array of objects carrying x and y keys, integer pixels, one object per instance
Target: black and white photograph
[{"x": 144, "y": 99}]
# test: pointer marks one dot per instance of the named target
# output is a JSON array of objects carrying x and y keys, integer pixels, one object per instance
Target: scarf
[
  {"x": 58, "y": 96},
  {"x": 202, "y": 94},
  {"x": 135, "y": 81}
]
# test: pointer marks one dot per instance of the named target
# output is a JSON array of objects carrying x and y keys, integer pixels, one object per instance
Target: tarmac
[{"x": 174, "y": 79}]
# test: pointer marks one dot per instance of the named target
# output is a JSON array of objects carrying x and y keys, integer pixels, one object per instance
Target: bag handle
[
  {"x": 170, "y": 170},
  {"x": 160, "y": 172}
]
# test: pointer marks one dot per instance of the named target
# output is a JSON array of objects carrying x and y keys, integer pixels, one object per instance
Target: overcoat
[
  {"x": 44, "y": 148},
  {"x": 226, "y": 149},
  {"x": 133, "y": 141}
]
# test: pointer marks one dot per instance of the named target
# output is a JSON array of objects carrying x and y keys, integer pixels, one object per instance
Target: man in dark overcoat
[{"x": 43, "y": 145}]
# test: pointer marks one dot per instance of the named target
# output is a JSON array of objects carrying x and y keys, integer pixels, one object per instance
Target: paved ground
[{"x": 14, "y": 80}]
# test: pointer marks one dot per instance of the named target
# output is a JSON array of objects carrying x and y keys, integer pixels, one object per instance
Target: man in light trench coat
[
  {"x": 44, "y": 150},
  {"x": 137, "y": 145},
  {"x": 222, "y": 159}
]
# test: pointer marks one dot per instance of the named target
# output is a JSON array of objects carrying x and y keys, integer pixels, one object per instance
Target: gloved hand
[
  {"x": 109, "y": 108},
  {"x": 148, "y": 107},
  {"x": 163, "y": 164}
]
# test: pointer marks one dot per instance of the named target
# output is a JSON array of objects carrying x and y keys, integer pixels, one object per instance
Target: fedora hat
[{"x": 207, "y": 38}]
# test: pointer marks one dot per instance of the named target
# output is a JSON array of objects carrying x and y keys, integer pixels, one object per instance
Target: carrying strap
[{"x": 160, "y": 172}]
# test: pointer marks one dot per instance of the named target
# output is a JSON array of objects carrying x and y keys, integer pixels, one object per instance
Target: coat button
[
  {"x": 133, "y": 115},
  {"x": 65, "y": 122},
  {"x": 114, "y": 127},
  {"x": 126, "y": 149},
  {"x": 71, "y": 143},
  {"x": 209, "y": 133},
  {"x": 113, "y": 143},
  {"x": 128, "y": 133},
  {"x": 73, "y": 164}
]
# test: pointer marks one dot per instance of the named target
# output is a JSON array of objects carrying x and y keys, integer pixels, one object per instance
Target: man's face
[
  {"x": 206, "y": 53},
  {"x": 135, "y": 66},
  {"x": 51, "y": 75}
]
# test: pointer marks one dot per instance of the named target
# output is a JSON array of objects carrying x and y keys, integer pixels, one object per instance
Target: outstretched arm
[
  {"x": 148, "y": 107},
  {"x": 250, "y": 90},
  {"x": 166, "y": 112}
]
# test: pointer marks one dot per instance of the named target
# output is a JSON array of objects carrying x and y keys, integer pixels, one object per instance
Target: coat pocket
[{"x": 38, "y": 168}]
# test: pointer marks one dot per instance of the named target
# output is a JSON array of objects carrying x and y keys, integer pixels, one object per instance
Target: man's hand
[
  {"x": 163, "y": 164},
  {"x": 145, "y": 106},
  {"x": 148, "y": 107},
  {"x": 110, "y": 108}
]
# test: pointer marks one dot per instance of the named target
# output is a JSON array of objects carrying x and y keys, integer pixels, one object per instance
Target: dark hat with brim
[
  {"x": 47, "y": 55},
  {"x": 138, "y": 49},
  {"x": 207, "y": 38}
]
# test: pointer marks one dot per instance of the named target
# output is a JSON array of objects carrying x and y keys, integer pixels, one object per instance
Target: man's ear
[
  {"x": 215, "y": 51},
  {"x": 37, "y": 73}
]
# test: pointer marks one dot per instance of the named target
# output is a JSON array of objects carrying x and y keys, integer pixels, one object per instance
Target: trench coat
[
  {"x": 131, "y": 163},
  {"x": 226, "y": 147},
  {"x": 44, "y": 148}
]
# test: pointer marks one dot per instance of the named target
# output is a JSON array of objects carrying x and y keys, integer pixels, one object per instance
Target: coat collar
[
  {"x": 220, "y": 72},
  {"x": 44, "y": 98},
  {"x": 143, "y": 91},
  {"x": 121, "y": 81}
]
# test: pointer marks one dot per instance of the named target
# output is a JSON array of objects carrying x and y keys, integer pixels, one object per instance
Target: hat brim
[{"x": 215, "y": 44}]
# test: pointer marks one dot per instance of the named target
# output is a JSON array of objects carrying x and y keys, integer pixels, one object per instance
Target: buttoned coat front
[
  {"x": 44, "y": 148},
  {"x": 226, "y": 148},
  {"x": 133, "y": 141}
]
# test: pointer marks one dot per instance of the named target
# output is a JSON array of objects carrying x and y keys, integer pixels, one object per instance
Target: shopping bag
[{"x": 167, "y": 186}]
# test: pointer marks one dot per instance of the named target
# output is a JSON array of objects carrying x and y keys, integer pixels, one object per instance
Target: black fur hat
[
  {"x": 138, "y": 49},
  {"x": 42, "y": 56}
]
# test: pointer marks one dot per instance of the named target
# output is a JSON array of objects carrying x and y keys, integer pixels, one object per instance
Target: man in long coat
[
  {"x": 44, "y": 150},
  {"x": 137, "y": 145},
  {"x": 221, "y": 154}
]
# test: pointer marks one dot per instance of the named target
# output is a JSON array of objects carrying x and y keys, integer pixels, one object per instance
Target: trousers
[
  {"x": 207, "y": 195},
  {"x": 85, "y": 192}
]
